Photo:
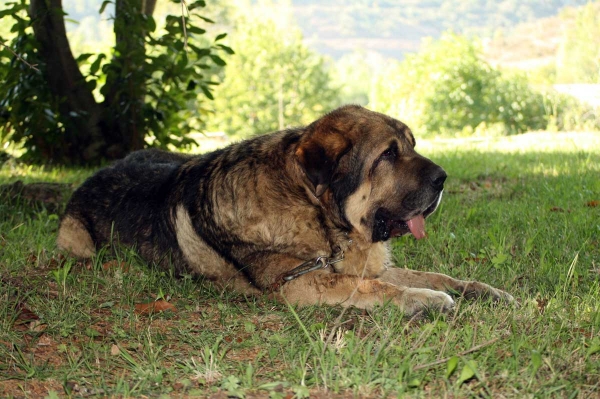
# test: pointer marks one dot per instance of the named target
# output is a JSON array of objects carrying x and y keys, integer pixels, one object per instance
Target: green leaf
[
  {"x": 500, "y": 259},
  {"x": 200, "y": 52},
  {"x": 413, "y": 383},
  {"x": 83, "y": 57},
  {"x": 451, "y": 366},
  {"x": 595, "y": 348},
  {"x": 90, "y": 332},
  {"x": 103, "y": 6},
  {"x": 301, "y": 391},
  {"x": 221, "y": 36},
  {"x": 207, "y": 92},
  {"x": 91, "y": 84},
  {"x": 468, "y": 371},
  {"x": 210, "y": 21},
  {"x": 217, "y": 60},
  {"x": 96, "y": 64},
  {"x": 4, "y": 13},
  {"x": 197, "y": 4},
  {"x": 231, "y": 383},
  {"x": 227, "y": 49},
  {"x": 196, "y": 30},
  {"x": 150, "y": 24}
]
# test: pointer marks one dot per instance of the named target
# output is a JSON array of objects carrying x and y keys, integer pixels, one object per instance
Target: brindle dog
[{"x": 304, "y": 213}]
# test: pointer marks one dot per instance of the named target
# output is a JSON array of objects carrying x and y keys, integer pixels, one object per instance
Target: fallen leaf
[
  {"x": 541, "y": 304},
  {"x": 57, "y": 261},
  {"x": 24, "y": 315},
  {"x": 37, "y": 326},
  {"x": 476, "y": 259},
  {"x": 154, "y": 307},
  {"x": 593, "y": 204},
  {"x": 31, "y": 259},
  {"x": 45, "y": 340},
  {"x": 556, "y": 209},
  {"x": 115, "y": 264},
  {"x": 114, "y": 350}
]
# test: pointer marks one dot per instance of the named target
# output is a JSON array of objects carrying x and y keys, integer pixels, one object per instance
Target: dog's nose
[{"x": 437, "y": 177}]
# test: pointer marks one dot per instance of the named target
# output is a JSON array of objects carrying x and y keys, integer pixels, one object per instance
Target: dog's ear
[{"x": 319, "y": 153}]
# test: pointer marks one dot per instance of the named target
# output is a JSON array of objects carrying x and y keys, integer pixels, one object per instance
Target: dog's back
[{"x": 129, "y": 197}]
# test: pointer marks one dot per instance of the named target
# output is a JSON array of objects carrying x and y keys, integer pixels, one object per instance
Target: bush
[
  {"x": 566, "y": 113},
  {"x": 273, "y": 82},
  {"x": 448, "y": 87}
]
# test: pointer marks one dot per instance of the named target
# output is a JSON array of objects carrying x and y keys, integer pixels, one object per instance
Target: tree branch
[{"x": 19, "y": 57}]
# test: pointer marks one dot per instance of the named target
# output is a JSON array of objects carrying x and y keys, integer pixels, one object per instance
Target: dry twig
[
  {"x": 441, "y": 361},
  {"x": 19, "y": 57}
]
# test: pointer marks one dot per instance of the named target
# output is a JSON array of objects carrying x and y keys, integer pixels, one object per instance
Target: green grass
[{"x": 514, "y": 215}]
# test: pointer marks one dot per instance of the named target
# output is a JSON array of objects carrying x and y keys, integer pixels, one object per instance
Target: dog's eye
[{"x": 389, "y": 154}]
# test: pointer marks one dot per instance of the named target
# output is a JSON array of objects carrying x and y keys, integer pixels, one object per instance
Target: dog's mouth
[{"x": 387, "y": 226}]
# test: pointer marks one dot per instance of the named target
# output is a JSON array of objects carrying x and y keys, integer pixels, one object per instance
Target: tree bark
[
  {"x": 148, "y": 7},
  {"x": 125, "y": 87},
  {"x": 95, "y": 131},
  {"x": 84, "y": 140}
]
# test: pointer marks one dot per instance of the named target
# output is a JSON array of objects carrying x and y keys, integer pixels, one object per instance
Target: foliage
[
  {"x": 27, "y": 109},
  {"x": 354, "y": 73},
  {"x": 579, "y": 53},
  {"x": 448, "y": 87},
  {"x": 566, "y": 113},
  {"x": 273, "y": 82},
  {"x": 150, "y": 86},
  {"x": 180, "y": 71}
]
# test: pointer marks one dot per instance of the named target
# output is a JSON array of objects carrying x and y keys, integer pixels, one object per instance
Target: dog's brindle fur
[{"x": 246, "y": 215}]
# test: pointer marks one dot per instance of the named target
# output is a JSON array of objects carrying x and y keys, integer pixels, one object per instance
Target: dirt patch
[{"x": 30, "y": 388}]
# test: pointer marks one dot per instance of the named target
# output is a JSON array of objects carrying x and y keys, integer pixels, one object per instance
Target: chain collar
[{"x": 318, "y": 263}]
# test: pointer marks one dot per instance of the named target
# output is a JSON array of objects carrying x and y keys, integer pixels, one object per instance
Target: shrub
[{"x": 448, "y": 87}]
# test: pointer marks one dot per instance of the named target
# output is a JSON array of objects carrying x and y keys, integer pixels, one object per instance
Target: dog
[{"x": 304, "y": 214}]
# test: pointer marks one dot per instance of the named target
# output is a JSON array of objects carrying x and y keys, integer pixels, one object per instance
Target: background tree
[
  {"x": 274, "y": 81},
  {"x": 579, "y": 52},
  {"x": 448, "y": 87},
  {"x": 146, "y": 82}
]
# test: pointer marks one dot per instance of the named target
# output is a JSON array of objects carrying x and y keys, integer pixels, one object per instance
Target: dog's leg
[
  {"x": 322, "y": 287},
  {"x": 440, "y": 282},
  {"x": 238, "y": 283},
  {"x": 74, "y": 238},
  {"x": 327, "y": 287}
]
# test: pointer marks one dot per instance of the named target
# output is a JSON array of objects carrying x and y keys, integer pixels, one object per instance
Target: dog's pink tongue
[{"x": 417, "y": 226}]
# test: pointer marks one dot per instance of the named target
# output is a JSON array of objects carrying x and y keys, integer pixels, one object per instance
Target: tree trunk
[
  {"x": 125, "y": 87},
  {"x": 111, "y": 129},
  {"x": 84, "y": 139}
]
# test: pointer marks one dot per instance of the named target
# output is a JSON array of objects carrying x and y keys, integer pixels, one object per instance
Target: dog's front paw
[
  {"x": 475, "y": 289},
  {"x": 415, "y": 300}
]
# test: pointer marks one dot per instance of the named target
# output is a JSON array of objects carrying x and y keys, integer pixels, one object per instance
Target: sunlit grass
[{"x": 517, "y": 213}]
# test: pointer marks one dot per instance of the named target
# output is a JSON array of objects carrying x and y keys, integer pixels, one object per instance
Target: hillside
[
  {"x": 389, "y": 27},
  {"x": 393, "y": 28},
  {"x": 537, "y": 43}
]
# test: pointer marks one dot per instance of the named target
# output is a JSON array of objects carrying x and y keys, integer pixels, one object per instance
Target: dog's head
[{"x": 363, "y": 165}]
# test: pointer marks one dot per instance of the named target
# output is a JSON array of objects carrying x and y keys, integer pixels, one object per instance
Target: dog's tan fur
[{"x": 247, "y": 215}]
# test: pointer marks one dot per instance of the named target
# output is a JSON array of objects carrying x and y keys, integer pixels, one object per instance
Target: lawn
[{"x": 520, "y": 213}]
